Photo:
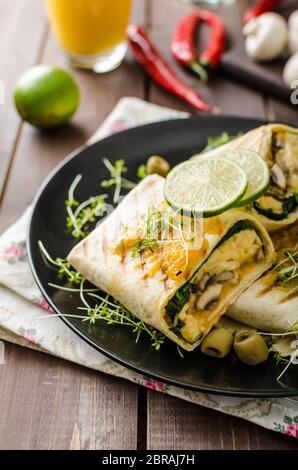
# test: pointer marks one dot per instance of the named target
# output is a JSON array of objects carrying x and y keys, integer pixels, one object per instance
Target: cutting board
[{"x": 267, "y": 77}]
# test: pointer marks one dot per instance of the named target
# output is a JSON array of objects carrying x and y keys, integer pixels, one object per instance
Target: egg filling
[
  {"x": 282, "y": 196},
  {"x": 208, "y": 293}
]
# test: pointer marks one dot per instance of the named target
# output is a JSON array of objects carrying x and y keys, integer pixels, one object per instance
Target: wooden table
[{"x": 47, "y": 403}]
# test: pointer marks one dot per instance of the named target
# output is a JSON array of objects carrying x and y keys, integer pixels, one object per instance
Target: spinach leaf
[
  {"x": 177, "y": 302},
  {"x": 289, "y": 204}
]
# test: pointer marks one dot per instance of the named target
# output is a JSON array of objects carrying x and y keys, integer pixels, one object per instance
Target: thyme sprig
[
  {"x": 80, "y": 215},
  {"x": 117, "y": 179}
]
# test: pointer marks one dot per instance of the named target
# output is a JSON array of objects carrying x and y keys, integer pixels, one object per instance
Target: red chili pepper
[
  {"x": 148, "y": 56},
  {"x": 262, "y": 6},
  {"x": 183, "y": 42}
]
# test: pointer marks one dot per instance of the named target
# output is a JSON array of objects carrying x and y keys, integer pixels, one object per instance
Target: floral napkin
[{"x": 25, "y": 316}]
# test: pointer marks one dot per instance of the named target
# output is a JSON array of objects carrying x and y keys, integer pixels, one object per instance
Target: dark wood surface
[
  {"x": 47, "y": 403},
  {"x": 265, "y": 77}
]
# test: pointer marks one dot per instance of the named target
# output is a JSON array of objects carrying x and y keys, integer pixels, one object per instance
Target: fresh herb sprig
[
  {"x": 113, "y": 313},
  {"x": 142, "y": 172},
  {"x": 106, "y": 308},
  {"x": 287, "y": 269},
  {"x": 117, "y": 179},
  {"x": 218, "y": 140},
  {"x": 143, "y": 244},
  {"x": 80, "y": 215},
  {"x": 280, "y": 359},
  {"x": 62, "y": 266},
  {"x": 292, "y": 330}
]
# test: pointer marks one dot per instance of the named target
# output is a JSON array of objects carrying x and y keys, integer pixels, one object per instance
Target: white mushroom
[
  {"x": 278, "y": 176},
  {"x": 293, "y": 20},
  {"x": 211, "y": 294},
  {"x": 293, "y": 32},
  {"x": 203, "y": 281},
  {"x": 266, "y": 36},
  {"x": 224, "y": 276},
  {"x": 290, "y": 72}
]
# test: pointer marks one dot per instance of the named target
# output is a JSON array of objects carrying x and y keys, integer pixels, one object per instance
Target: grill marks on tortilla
[
  {"x": 289, "y": 296},
  {"x": 143, "y": 263},
  {"x": 269, "y": 282},
  {"x": 105, "y": 246}
]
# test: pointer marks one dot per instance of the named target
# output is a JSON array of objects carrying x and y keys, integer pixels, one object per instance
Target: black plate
[{"x": 176, "y": 140}]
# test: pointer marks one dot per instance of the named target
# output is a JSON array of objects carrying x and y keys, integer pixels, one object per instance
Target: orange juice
[{"x": 89, "y": 27}]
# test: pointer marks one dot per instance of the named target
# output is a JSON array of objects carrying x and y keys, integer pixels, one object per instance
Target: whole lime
[{"x": 46, "y": 96}]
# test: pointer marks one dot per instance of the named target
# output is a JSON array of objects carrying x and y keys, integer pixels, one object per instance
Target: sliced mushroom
[
  {"x": 224, "y": 276},
  {"x": 277, "y": 143},
  {"x": 203, "y": 281},
  {"x": 260, "y": 254},
  {"x": 280, "y": 160},
  {"x": 210, "y": 296},
  {"x": 276, "y": 193},
  {"x": 278, "y": 176}
]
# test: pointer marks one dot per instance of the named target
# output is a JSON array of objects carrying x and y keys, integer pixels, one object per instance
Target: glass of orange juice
[{"x": 92, "y": 32}]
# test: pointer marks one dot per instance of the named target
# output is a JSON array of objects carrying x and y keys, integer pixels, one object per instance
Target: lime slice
[
  {"x": 46, "y": 96},
  {"x": 256, "y": 170},
  {"x": 206, "y": 186}
]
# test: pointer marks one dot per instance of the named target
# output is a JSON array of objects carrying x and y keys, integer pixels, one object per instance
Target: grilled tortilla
[
  {"x": 175, "y": 273},
  {"x": 278, "y": 145},
  {"x": 271, "y": 303}
]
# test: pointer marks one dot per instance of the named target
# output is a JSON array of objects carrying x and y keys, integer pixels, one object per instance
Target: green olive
[
  {"x": 159, "y": 165},
  {"x": 218, "y": 343},
  {"x": 250, "y": 347}
]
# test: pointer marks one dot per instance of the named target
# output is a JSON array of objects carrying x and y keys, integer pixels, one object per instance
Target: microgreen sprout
[
  {"x": 106, "y": 308},
  {"x": 287, "y": 270},
  {"x": 292, "y": 357},
  {"x": 142, "y": 172},
  {"x": 63, "y": 267},
  {"x": 117, "y": 179},
  {"x": 143, "y": 244},
  {"x": 114, "y": 313},
  {"x": 80, "y": 215},
  {"x": 280, "y": 359},
  {"x": 71, "y": 289},
  {"x": 292, "y": 330},
  {"x": 218, "y": 140}
]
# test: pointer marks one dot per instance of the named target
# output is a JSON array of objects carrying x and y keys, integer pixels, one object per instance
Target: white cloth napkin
[{"x": 22, "y": 306}]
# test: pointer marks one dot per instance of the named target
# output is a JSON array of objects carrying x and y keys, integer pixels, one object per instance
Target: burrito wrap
[
  {"x": 278, "y": 145},
  {"x": 150, "y": 282}
]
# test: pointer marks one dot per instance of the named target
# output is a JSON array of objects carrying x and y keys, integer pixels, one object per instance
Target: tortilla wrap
[
  {"x": 178, "y": 280},
  {"x": 270, "y": 304},
  {"x": 278, "y": 145}
]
